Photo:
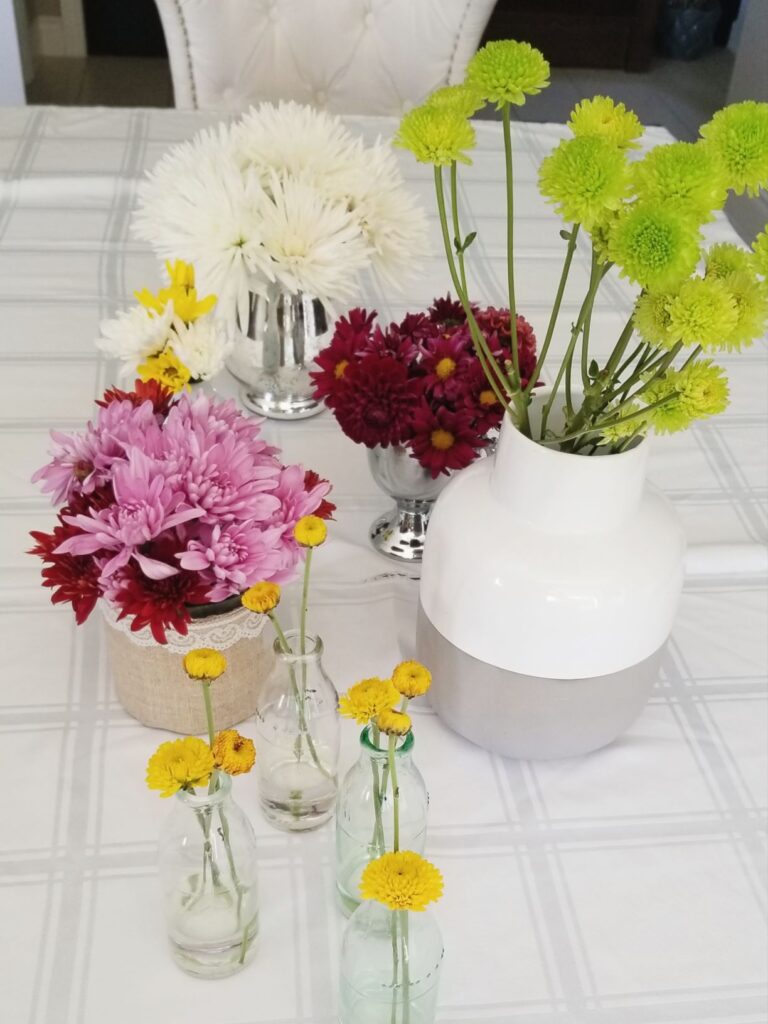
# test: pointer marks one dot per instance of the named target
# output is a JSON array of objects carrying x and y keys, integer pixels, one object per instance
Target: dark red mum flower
[
  {"x": 377, "y": 402},
  {"x": 350, "y": 337},
  {"x": 143, "y": 391},
  {"x": 326, "y": 508},
  {"x": 481, "y": 403},
  {"x": 447, "y": 312},
  {"x": 74, "y": 579},
  {"x": 446, "y": 360},
  {"x": 495, "y": 324},
  {"x": 396, "y": 344},
  {"x": 444, "y": 440},
  {"x": 159, "y": 604}
]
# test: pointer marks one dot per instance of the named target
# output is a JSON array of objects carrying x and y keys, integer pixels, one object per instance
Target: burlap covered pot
[{"x": 150, "y": 680}]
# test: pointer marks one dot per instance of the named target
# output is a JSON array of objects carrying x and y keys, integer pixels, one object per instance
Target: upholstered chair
[{"x": 347, "y": 56}]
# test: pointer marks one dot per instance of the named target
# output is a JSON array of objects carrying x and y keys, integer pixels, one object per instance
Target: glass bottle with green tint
[{"x": 365, "y": 810}]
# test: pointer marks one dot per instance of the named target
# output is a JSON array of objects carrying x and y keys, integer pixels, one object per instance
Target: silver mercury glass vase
[
  {"x": 273, "y": 355},
  {"x": 400, "y": 532}
]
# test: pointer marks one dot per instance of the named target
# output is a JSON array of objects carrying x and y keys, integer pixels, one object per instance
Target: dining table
[{"x": 625, "y": 886}]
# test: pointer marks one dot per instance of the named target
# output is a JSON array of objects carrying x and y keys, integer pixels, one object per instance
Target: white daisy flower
[
  {"x": 134, "y": 335},
  {"x": 203, "y": 346}
]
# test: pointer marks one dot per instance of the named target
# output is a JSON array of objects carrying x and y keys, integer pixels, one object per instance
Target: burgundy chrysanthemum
[
  {"x": 376, "y": 404},
  {"x": 159, "y": 604},
  {"x": 350, "y": 337},
  {"x": 394, "y": 344},
  {"x": 326, "y": 508},
  {"x": 143, "y": 391},
  {"x": 446, "y": 360},
  {"x": 447, "y": 312},
  {"x": 444, "y": 440},
  {"x": 480, "y": 402},
  {"x": 496, "y": 325},
  {"x": 74, "y": 579}
]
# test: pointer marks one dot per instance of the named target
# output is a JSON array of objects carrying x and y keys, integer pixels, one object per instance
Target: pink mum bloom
[
  {"x": 235, "y": 556},
  {"x": 294, "y": 500}
]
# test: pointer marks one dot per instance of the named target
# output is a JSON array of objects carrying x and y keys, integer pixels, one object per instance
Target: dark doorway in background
[{"x": 123, "y": 28}]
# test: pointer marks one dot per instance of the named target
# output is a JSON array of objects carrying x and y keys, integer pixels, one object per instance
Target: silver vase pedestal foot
[
  {"x": 273, "y": 355},
  {"x": 400, "y": 533}
]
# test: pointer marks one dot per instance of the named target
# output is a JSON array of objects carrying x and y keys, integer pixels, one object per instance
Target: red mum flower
[
  {"x": 159, "y": 604},
  {"x": 495, "y": 324},
  {"x": 326, "y": 508},
  {"x": 444, "y": 440},
  {"x": 447, "y": 312},
  {"x": 395, "y": 344},
  {"x": 74, "y": 579},
  {"x": 376, "y": 404},
  {"x": 481, "y": 403},
  {"x": 447, "y": 359},
  {"x": 144, "y": 391},
  {"x": 350, "y": 337}
]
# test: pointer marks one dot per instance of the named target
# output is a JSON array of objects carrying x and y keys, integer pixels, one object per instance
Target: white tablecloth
[{"x": 626, "y": 887}]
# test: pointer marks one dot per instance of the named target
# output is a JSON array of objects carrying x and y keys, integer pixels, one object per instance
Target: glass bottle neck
[
  {"x": 200, "y": 799},
  {"x": 380, "y": 751},
  {"x": 291, "y": 648}
]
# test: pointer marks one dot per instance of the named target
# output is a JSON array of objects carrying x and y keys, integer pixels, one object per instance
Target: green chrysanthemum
[
  {"x": 698, "y": 391},
  {"x": 436, "y": 135},
  {"x": 702, "y": 313},
  {"x": 505, "y": 71},
  {"x": 725, "y": 257},
  {"x": 751, "y": 298},
  {"x": 760, "y": 252},
  {"x": 621, "y": 431},
  {"x": 739, "y": 135},
  {"x": 687, "y": 174},
  {"x": 585, "y": 177},
  {"x": 651, "y": 318},
  {"x": 461, "y": 99},
  {"x": 655, "y": 245},
  {"x": 611, "y": 121}
]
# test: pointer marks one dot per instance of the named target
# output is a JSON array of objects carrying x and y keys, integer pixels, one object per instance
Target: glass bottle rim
[
  {"x": 313, "y": 644},
  {"x": 197, "y": 800},
  {"x": 366, "y": 742}
]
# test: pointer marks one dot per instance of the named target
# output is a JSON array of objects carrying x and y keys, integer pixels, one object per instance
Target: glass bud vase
[
  {"x": 208, "y": 874},
  {"x": 365, "y": 812},
  {"x": 390, "y": 966},
  {"x": 297, "y": 726}
]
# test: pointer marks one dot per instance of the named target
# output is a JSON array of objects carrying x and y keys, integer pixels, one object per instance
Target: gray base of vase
[
  {"x": 400, "y": 533},
  {"x": 526, "y": 716},
  {"x": 280, "y": 405}
]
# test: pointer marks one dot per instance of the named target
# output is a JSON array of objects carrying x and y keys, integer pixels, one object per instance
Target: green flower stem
[
  {"x": 303, "y": 730},
  {"x": 509, "y": 174},
  {"x": 304, "y": 603},
  {"x": 641, "y": 348},
  {"x": 395, "y": 795},
  {"x": 456, "y": 228},
  {"x": 403, "y": 915},
  {"x": 208, "y": 711},
  {"x": 620, "y": 347},
  {"x": 655, "y": 368},
  {"x": 586, "y": 308},
  {"x": 585, "y": 339},
  {"x": 555, "y": 308},
  {"x": 496, "y": 378},
  {"x": 596, "y": 428},
  {"x": 236, "y": 880},
  {"x": 378, "y": 797},
  {"x": 691, "y": 358},
  {"x": 395, "y": 965}
]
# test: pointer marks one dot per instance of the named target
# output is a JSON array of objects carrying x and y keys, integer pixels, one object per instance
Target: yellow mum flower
[
  {"x": 181, "y": 292},
  {"x": 401, "y": 881},
  {"x": 180, "y": 764},
  {"x": 436, "y": 135},
  {"x": 461, "y": 99},
  {"x": 412, "y": 678},
  {"x": 368, "y": 698},
  {"x": 611, "y": 121},
  {"x": 702, "y": 313},
  {"x": 686, "y": 174},
  {"x": 751, "y": 298},
  {"x": 725, "y": 257},
  {"x": 180, "y": 274},
  {"x": 760, "y": 252},
  {"x": 261, "y": 597},
  {"x": 655, "y": 245},
  {"x": 205, "y": 664},
  {"x": 696, "y": 392},
  {"x": 233, "y": 753},
  {"x": 310, "y": 531},
  {"x": 621, "y": 431},
  {"x": 506, "y": 71},
  {"x": 739, "y": 135},
  {"x": 166, "y": 368},
  {"x": 585, "y": 177},
  {"x": 393, "y": 723},
  {"x": 651, "y": 318}
]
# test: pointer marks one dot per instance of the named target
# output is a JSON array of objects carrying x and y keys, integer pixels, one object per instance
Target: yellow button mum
[
  {"x": 368, "y": 698},
  {"x": 233, "y": 753},
  {"x": 180, "y": 764},
  {"x": 412, "y": 678},
  {"x": 393, "y": 723},
  {"x": 261, "y": 597},
  {"x": 166, "y": 368},
  {"x": 401, "y": 881},
  {"x": 205, "y": 663},
  {"x": 310, "y": 531}
]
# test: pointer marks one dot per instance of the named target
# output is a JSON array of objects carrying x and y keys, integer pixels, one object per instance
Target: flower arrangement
[
  {"x": 420, "y": 383},
  {"x": 171, "y": 337},
  {"x": 285, "y": 196},
  {"x": 168, "y": 504},
  {"x": 644, "y": 218}
]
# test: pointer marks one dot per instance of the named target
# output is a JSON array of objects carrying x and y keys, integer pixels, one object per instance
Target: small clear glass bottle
[
  {"x": 365, "y": 812},
  {"x": 297, "y": 726},
  {"x": 390, "y": 966},
  {"x": 208, "y": 874}
]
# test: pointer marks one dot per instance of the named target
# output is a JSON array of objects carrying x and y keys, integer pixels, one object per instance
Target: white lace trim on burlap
[{"x": 217, "y": 631}]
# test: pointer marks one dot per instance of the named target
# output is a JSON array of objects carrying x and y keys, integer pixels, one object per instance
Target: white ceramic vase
[{"x": 549, "y": 586}]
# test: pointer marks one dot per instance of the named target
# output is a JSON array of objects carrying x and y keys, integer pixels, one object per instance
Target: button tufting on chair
[{"x": 374, "y": 55}]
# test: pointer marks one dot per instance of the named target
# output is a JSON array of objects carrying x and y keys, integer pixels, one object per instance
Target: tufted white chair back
[{"x": 347, "y": 56}]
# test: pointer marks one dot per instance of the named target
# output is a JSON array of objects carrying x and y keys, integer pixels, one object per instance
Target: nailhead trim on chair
[
  {"x": 459, "y": 36},
  {"x": 187, "y": 52}
]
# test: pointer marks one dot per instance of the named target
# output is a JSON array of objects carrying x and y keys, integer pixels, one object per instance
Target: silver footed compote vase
[
  {"x": 400, "y": 533},
  {"x": 272, "y": 356}
]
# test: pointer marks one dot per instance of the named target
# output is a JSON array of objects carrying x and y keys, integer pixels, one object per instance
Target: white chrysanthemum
[
  {"x": 134, "y": 334},
  {"x": 203, "y": 345},
  {"x": 316, "y": 245},
  {"x": 292, "y": 140}
]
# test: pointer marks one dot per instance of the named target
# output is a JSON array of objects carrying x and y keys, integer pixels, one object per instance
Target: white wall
[
  {"x": 11, "y": 75},
  {"x": 750, "y": 70}
]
